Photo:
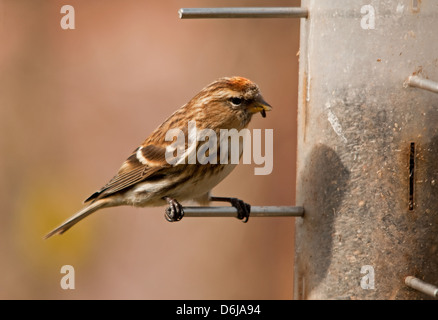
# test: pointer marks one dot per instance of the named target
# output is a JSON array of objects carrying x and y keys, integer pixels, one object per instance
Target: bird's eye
[{"x": 236, "y": 101}]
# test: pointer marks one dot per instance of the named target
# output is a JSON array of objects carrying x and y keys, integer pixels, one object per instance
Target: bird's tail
[{"x": 85, "y": 212}]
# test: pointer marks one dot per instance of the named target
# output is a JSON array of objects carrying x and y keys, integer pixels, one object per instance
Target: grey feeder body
[{"x": 367, "y": 171}]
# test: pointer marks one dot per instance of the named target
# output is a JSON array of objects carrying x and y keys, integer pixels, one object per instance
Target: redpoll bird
[{"x": 148, "y": 178}]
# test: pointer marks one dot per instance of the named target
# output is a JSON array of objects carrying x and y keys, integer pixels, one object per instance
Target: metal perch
[
  {"x": 264, "y": 211},
  {"x": 422, "y": 286},
  {"x": 266, "y": 12},
  {"x": 426, "y": 84}
]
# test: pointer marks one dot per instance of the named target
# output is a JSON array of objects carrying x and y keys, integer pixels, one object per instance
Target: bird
[{"x": 149, "y": 178}]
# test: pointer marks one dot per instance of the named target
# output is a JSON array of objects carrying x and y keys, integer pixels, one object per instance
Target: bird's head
[{"x": 235, "y": 96}]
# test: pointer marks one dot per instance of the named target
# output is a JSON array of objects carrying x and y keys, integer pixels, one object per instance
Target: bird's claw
[
  {"x": 174, "y": 212},
  {"x": 243, "y": 209}
]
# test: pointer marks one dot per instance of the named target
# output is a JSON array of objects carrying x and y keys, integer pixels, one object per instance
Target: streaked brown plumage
[{"x": 146, "y": 178}]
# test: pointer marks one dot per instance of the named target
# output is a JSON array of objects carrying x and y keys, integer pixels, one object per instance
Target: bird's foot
[
  {"x": 243, "y": 208},
  {"x": 174, "y": 212}
]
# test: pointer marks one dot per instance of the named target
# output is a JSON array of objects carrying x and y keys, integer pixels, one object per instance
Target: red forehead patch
[{"x": 240, "y": 82}]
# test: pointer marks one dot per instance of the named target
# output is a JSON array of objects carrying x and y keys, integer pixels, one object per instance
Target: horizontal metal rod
[
  {"x": 422, "y": 286},
  {"x": 248, "y": 12},
  {"x": 426, "y": 84},
  {"x": 269, "y": 211}
]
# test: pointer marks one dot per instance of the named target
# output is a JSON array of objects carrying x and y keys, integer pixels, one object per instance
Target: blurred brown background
[{"x": 75, "y": 103}]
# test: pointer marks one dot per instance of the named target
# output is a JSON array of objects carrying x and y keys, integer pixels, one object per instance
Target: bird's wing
[{"x": 145, "y": 163}]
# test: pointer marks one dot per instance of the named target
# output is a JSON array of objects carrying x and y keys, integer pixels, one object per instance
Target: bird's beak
[{"x": 260, "y": 105}]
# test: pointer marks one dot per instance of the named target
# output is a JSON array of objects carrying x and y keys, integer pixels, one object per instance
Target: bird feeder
[{"x": 367, "y": 169}]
